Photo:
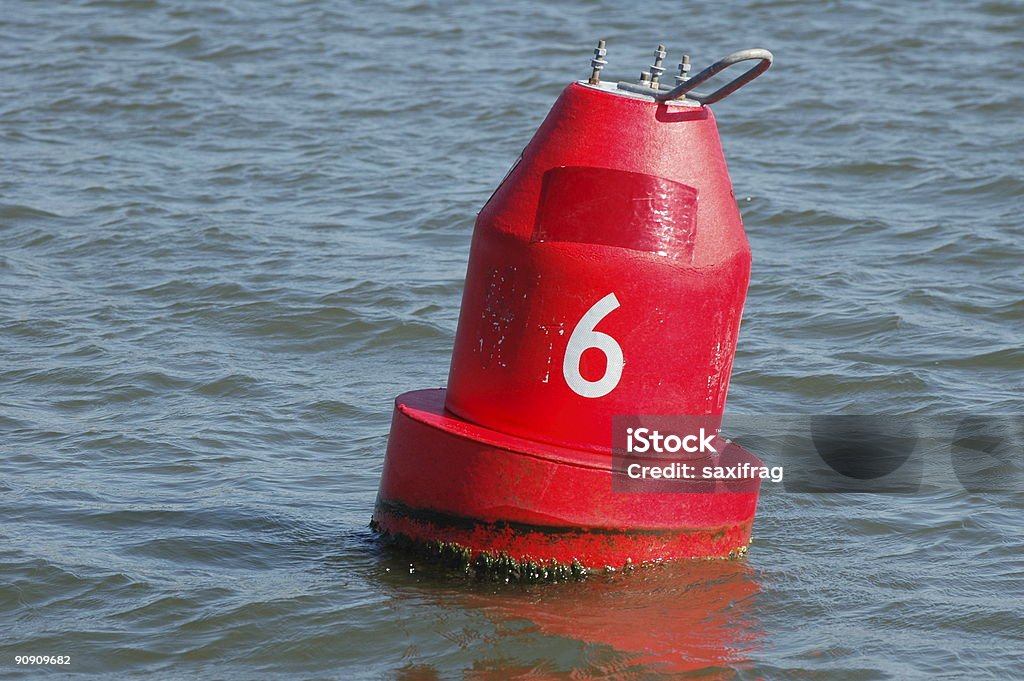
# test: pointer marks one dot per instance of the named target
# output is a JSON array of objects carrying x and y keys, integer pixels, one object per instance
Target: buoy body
[{"x": 607, "y": 276}]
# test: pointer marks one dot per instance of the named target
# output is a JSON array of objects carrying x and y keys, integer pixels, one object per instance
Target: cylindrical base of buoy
[{"x": 450, "y": 482}]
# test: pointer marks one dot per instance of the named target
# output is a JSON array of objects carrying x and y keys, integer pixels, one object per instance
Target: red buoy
[{"x": 606, "y": 278}]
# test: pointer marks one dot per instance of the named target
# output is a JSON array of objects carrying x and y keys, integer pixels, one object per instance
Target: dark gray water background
[{"x": 232, "y": 232}]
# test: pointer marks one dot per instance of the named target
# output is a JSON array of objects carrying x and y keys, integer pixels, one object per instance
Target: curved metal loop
[{"x": 764, "y": 58}]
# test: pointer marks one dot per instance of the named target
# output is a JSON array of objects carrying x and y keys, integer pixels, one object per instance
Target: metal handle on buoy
[{"x": 764, "y": 58}]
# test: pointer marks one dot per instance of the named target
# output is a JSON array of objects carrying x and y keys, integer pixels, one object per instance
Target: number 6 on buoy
[{"x": 584, "y": 337}]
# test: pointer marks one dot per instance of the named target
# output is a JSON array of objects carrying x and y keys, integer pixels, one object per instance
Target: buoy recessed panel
[{"x": 606, "y": 282}]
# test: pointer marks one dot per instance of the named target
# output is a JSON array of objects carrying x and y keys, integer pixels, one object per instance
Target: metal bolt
[
  {"x": 598, "y": 63},
  {"x": 656, "y": 68},
  {"x": 645, "y": 78},
  {"x": 684, "y": 70}
]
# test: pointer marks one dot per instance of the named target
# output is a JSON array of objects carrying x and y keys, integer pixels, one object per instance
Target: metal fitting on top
[
  {"x": 656, "y": 68},
  {"x": 684, "y": 70},
  {"x": 598, "y": 63},
  {"x": 685, "y": 88}
]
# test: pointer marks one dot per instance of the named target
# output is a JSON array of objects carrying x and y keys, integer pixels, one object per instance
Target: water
[{"x": 232, "y": 232}]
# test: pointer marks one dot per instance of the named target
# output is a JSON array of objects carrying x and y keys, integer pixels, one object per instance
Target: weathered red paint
[{"x": 614, "y": 195}]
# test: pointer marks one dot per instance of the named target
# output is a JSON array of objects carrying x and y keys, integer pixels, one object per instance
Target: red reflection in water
[{"x": 660, "y": 620}]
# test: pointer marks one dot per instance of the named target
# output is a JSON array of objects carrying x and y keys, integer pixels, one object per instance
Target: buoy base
[{"x": 448, "y": 482}]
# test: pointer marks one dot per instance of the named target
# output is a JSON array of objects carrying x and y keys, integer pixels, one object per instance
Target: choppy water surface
[{"x": 231, "y": 232}]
